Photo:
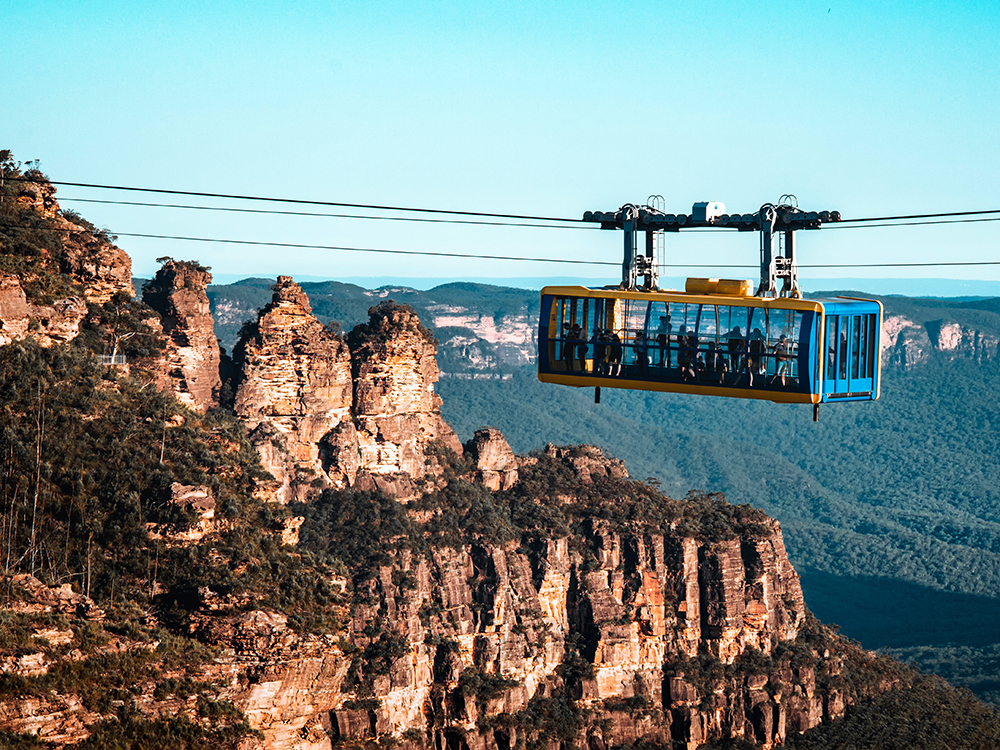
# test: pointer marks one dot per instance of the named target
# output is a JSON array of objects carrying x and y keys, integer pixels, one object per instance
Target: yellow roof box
[{"x": 729, "y": 287}]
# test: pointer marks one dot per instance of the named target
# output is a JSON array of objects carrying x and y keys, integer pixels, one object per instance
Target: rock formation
[
  {"x": 396, "y": 412},
  {"x": 86, "y": 254},
  {"x": 69, "y": 263},
  {"x": 495, "y": 462},
  {"x": 14, "y": 310},
  {"x": 53, "y": 323},
  {"x": 328, "y": 413},
  {"x": 191, "y": 361},
  {"x": 908, "y": 343},
  {"x": 618, "y": 632},
  {"x": 294, "y": 388}
]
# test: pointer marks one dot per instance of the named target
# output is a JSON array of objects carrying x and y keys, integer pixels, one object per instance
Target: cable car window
[
  {"x": 831, "y": 346},
  {"x": 631, "y": 334},
  {"x": 660, "y": 330},
  {"x": 861, "y": 352},
  {"x": 856, "y": 348},
  {"x": 842, "y": 369},
  {"x": 872, "y": 337}
]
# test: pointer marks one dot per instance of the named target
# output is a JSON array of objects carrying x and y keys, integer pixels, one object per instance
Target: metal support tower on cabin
[{"x": 777, "y": 225}]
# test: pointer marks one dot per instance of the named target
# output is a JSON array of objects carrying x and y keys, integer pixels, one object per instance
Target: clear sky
[{"x": 529, "y": 108}]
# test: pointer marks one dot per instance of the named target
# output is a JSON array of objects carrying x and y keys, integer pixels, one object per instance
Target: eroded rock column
[
  {"x": 396, "y": 411},
  {"x": 295, "y": 389},
  {"x": 192, "y": 355}
]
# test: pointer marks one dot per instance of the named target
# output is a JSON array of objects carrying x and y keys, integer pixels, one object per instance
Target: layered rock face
[
  {"x": 14, "y": 310},
  {"x": 616, "y": 631},
  {"x": 495, "y": 462},
  {"x": 325, "y": 412},
  {"x": 295, "y": 388},
  {"x": 87, "y": 255},
  {"x": 467, "y": 647},
  {"x": 94, "y": 268},
  {"x": 396, "y": 411},
  {"x": 907, "y": 343},
  {"x": 54, "y": 323},
  {"x": 191, "y": 362}
]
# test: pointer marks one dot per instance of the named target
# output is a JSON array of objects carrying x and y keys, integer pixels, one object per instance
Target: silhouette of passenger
[
  {"x": 757, "y": 346},
  {"x": 601, "y": 341},
  {"x": 663, "y": 336},
  {"x": 735, "y": 346},
  {"x": 581, "y": 347},
  {"x": 615, "y": 355},
  {"x": 570, "y": 344}
]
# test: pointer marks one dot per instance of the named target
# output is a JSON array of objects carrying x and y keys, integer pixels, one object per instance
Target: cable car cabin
[{"x": 719, "y": 342}]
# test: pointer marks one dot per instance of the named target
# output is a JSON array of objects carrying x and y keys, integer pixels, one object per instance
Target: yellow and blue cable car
[
  {"x": 785, "y": 350},
  {"x": 717, "y": 337}
]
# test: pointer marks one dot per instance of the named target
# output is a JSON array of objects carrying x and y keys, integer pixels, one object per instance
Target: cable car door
[
  {"x": 849, "y": 359},
  {"x": 838, "y": 342}
]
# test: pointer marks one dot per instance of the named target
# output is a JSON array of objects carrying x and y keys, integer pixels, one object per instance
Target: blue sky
[{"x": 525, "y": 108}]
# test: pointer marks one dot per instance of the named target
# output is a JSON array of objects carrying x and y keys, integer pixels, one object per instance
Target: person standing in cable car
[
  {"x": 756, "y": 348},
  {"x": 781, "y": 359},
  {"x": 663, "y": 336},
  {"x": 734, "y": 344}
]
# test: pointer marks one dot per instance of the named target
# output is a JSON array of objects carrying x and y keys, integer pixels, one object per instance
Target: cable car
[
  {"x": 714, "y": 344},
  {"x": 714, "y": 338}
]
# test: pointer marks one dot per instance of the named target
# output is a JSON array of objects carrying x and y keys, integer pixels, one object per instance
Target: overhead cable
[
  {"x": 377, "y": 207},
  {"x": 909, "y": 223},
  {"x": 299, "y": 201},
  {"x": 302, "y": 246},
  {"x": 233, "y": 209},
  {"x": 575, "y": 261},
  {"x": 922, "y": 216}
]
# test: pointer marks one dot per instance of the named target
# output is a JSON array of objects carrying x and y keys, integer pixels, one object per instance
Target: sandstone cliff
[
  {"x": 52, "y": 263},
  {"x": 578, "y": 608},
  {"x": 396, "y": 411},
  {"x": 907, "y": 342},
  {"x": 191, "y": 360},
  {"x": 325, "y": 412},
  {"x": 294, "y": 388}
]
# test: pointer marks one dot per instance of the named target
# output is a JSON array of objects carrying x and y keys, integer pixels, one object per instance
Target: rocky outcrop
[
  {"x": 514, "y": 336},
  {"x": 295, "y": 389},
  {"x": 495, "y": 463},
  {"x": 490, "y": 635},
  {"x": 619, "y": 632},
  {"x": 195, "y": 501},
  {"x": 14, "y": 310},
  {"x": 191, "y": 361},
  {"x": 324, "y": 412},
  {"x": 49, "y": 324},
  {"x": 957, "y": 340},
  {"x": 908, "y": 343},
  {"x": 396, "y": 412},
  {"x": 588, "y": 461},
  {"x": 74, "y": 265},
  {"x": 85, "y": 253},
  {"x": 102, "y": 268}
]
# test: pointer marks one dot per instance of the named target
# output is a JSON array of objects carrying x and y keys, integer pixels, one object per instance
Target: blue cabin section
[
  {"x": 852, "y": 349},
  {"x": 782, "y": 350}
]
